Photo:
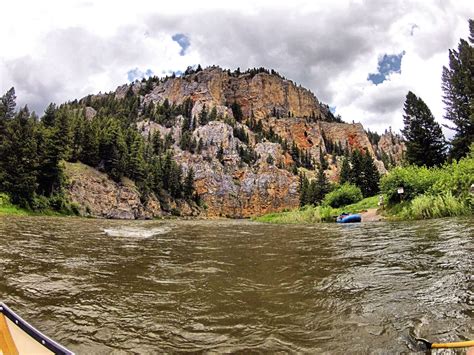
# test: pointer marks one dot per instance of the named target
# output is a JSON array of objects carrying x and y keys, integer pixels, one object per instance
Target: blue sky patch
[
  {"x": 388, "y": 64},
  {"x": 137, "y": 74},
  {"x": 183, "y": 42}
]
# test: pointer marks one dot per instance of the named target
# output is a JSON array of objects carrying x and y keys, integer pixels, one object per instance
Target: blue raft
[{"x": 349, "y": 218}]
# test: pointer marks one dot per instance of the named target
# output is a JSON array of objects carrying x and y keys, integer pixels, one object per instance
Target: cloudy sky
[{"x": 360, "y": 57}]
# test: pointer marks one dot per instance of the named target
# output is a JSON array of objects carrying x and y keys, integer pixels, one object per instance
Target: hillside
[
  {"x": 210, "y": 142},
  {"x": 246, "y": 136}
]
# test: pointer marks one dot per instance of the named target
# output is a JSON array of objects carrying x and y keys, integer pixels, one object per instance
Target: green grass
[
  {"x": 318, "y": 214},
  {"x": 307, "y": 214},
  {"x": 13, "y": 211},
  {"x": 8, "y": 209},
  {"x": 434, "y": 206}
]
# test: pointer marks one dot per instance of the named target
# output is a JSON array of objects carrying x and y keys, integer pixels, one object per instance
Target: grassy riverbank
[
  {"x": 9, "y": 209},
  {"x": 6, "y": 208},
  {"x": 427, "y": 193},
  {"x": 317, "y": 214}
]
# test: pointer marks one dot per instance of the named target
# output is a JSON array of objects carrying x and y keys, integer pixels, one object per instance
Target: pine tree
[
  {"x": 270, "y": 160},
  {"x": 7, "y": 105},
  {"x": 345, "y": 174},
  {"x": 304, "y": 190},
  {"x": 19, "y": 160},
  {"x": 49, "y": 117},
  {"x": 371, "y": 176},
  {"x": 322, "y": 160},
  {"x": 357, "y": 170},
  {"x": 237, "y": 111},
  {"x": 322, "y": 187},
  {"x": 203, "y": 116},
  {"x": 458, "y": 87},
  {"x": 424, "y": 138},
  {"x": 213, "y": 114},
  {"x": 188, "y": 185},
  {"x": 90, "y": 147}
]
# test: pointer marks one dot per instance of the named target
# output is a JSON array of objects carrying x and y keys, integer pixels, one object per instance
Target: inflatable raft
[
  {"x": 19, "y": 337},
  {"x": 349, "y": 218}
]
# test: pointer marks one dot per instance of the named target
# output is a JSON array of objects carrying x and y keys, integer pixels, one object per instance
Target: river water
[{"x": 101, "y": 286}]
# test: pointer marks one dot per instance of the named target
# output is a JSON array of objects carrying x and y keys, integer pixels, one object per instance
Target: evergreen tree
[
  {"x": 270, "y": 160},
  {"x": 304, "y": 191},
  {"x": 322, "y": 160},
  {"x": 220, "y": 153},
  {"x": 458, "y": 87},
  {"x": 7, "y": 105},
  {"x": 55, "y": 146},
  {"x": 113, "y": 150},
  {"x": 49, "y": 117},
  {"x": 136, "y": 166},
  {"x": 371, "y": 176},
  {"x": 213, "y": 114},
  {"x": 321, "y": 187},
  {"x": 90, "y": 146},
  {"x": 424, "y": 138},
  {"x": 19, "y": 160},
  {"x": 203, "y": 116},
  {"x": 237, "y": 111},
  {"x": 345, "y": 174},
  {"x": 188, "y": 185},
  {"x": 357, "y": 169}
]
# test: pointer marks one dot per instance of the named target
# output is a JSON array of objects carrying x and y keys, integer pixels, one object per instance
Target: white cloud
[{"x": 64, "y": 50}]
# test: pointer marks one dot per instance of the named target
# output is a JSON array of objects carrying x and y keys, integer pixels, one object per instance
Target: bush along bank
[
  {"x": 421, "y": 193},
  {"x": 317, "y": 214}
]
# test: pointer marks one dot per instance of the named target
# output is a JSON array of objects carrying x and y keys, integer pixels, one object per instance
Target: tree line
[
  {"x": 32, "y": 150},
  {"x": 425, "y": 142}
]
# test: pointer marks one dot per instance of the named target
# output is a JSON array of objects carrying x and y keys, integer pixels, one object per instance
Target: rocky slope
[{"x": 276, "y": 117}]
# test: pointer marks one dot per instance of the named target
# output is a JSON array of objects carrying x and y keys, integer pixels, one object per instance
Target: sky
[{"x": 359, "y": 57}]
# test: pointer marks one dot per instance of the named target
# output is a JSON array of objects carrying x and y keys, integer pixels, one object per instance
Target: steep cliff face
[
  {"x": 99, "y": 196},
  {"x": 243, "y": 166},
  {"x": 261, "y": 94}
]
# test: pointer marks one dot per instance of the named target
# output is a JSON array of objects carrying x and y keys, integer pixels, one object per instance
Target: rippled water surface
[{"x": 164, "y": 286}]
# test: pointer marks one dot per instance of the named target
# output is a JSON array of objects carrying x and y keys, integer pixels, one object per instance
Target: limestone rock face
[
  {"x": 98, "y": 196},
  {"x": 392, "y": 145},
  {"x": 259, "y": 94},
  {"x": 90, "y": 113},
  {"x": 248, "y": 174},
  {"x": 350, "y": 135}
]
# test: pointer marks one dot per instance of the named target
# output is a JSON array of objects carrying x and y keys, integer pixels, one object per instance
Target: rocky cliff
[{"x": 245, "y": 156}]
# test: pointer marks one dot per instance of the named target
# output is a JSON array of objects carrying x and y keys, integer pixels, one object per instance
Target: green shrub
[
  {"x": 434, "y": 206},
  {"x": 455, "y": 178},
  {"x": 345, "y": 194},
  {"x": 414, "y": 180},
  {"x": 4, "y": 199},
  {"x": 40, "y": 203}
]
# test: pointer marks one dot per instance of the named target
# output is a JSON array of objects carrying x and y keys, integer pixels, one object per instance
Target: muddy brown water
[{"x": 100, "y": 286}]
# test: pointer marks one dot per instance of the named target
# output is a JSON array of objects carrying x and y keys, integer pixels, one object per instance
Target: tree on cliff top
[{"x": 424, "y": 139}]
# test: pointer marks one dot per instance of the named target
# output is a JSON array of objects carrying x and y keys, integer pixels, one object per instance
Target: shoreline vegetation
[
  {"x": 434, "y": 192},
  {"x": 428, "y": 193}
]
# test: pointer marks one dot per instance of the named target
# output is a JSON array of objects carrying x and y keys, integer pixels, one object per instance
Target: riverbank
[{"x": 368, "y": 207}]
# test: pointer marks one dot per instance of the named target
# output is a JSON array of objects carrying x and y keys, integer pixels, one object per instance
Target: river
[{"x": 101, "y": 286}]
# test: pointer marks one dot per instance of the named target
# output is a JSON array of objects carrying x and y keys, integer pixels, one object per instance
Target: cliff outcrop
[{"x": 246, "y": 156}]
